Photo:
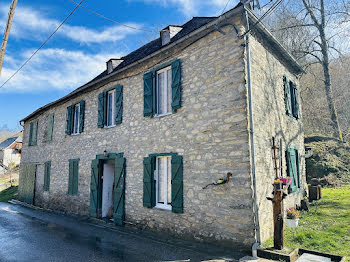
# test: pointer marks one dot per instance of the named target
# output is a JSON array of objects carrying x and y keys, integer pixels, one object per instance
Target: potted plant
[{"x": 292, "y": 217}]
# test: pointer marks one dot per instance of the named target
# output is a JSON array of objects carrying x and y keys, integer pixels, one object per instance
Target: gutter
[
  {"x": 86, "y": 87},
  {"x": 251, "y": 131}
]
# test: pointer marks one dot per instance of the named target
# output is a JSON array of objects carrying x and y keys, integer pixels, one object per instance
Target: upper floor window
[
  {"x": 162, "y": 90},
  {"x": 291, "y": 98},
  {"x": 33, "y": 133},
  {"x": 110, "y": 107},
  {"x": 75, "y": 118},
  {"x": 49, "y": 128}
]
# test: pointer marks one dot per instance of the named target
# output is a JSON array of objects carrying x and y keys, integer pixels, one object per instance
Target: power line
[
  {"x": 36, "y": 51},
  {"x": 223, "y": 10},
  {"x": 102, "y": 16},
  {"x": 268, "y": 12}
]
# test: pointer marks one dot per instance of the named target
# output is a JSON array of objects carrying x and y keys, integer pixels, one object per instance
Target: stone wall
[
  {"x": 209, "y": 131},
  {"x": 270, "y": 119}
]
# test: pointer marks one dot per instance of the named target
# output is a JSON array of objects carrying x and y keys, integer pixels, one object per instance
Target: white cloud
[
  {"x": 29, "y": 24},
  {"x": 195, "y": 7},
  {"x": 53, "y": 68}
]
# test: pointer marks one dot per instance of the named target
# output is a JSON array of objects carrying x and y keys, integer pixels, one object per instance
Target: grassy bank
[
  {"x": 326, "y": 227},
  {"x": 6, "y": 191},
  {"x": 8, "y": 194}
]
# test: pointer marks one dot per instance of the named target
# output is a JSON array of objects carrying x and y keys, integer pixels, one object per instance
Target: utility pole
[{"x": 7, "y": 32}]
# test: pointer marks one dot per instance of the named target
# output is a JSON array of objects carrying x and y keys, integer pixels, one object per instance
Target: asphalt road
[{"x": 35, "y": 235}]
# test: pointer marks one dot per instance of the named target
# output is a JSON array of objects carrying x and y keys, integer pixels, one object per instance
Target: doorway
[{"x": 107, "y": 188}]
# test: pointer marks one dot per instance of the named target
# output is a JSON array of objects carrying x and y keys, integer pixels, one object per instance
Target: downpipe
[{"x": 252, "y": 144}]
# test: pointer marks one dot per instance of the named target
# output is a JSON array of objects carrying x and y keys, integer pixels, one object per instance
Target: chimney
[
  {"x": 168, "y": 33},
  {"x": 249, "y": 3},
  {"x": 112, "y": 64}
]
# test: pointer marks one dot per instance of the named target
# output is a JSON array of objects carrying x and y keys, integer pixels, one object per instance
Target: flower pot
[
  {"x": 292, "y": 223},
  {"x": 278, "y": 186}
]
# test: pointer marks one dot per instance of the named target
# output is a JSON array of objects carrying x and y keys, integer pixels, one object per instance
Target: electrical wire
[
  {"x": 36, "y": 51},
  {"x": 115, "y": 22},
  {"x": 268, "y": 12},
  {"x": 223, "y": 10}
]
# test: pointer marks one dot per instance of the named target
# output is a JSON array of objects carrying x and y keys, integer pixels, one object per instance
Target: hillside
[{"x": 330, "y": 161}]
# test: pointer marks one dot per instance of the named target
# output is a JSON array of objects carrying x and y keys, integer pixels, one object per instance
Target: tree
[{"x": 311, "y": 30}]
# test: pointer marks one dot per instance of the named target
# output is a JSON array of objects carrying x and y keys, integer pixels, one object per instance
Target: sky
[{"x": 79, "y": 50}]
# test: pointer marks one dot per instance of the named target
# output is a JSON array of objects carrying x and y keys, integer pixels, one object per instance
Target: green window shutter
[
  {"x": 50, "y": 127},
  {"x": 119, "y": 189},
  {"x": 177, "y": 184},
  {"x": 149, "y": 184},
  {"x": 101, "y": 110},
  {"x": 69, "y": 120},
  {"x": 70, "y": 178},
  {"x": 176, "y": 84},
  {"x": 118, "y": 104},
  {"x": 35, "y": 133},
  {"x": 82, "y": 116},
  {"x": 30, "y": 143},
  {"x": 75, "y": 177},
  {"x": 148, "y": 89},
  {"x": 95, "y": 167},
  {"x": 292, "y": 169},
  {"x": 287, "y": 95},
  {"x": 47, "y": 174}
]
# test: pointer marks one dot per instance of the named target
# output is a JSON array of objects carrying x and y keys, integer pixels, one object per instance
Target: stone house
[
  {"x": 140, "y": 141},
  {"x": 10, "y": 152}
]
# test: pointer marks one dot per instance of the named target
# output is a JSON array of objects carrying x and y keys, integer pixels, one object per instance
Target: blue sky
[{"x": 79, "y": 50}]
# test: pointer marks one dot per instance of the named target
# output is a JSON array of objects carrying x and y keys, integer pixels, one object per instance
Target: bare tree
[{"x": 312, "y": 31}]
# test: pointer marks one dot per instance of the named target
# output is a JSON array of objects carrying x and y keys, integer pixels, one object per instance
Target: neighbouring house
[
  {"x": 138, "y": 143},
  {"x": 10, "y": 152}
]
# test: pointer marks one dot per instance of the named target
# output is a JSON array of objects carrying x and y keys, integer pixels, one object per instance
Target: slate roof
[
  {"x": 8, "y": 142},
  {"x": 155, "y": 45}
]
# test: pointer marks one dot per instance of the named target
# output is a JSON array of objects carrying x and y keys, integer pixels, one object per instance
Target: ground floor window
[
  {"x": 163, "y": 182},
  {"x": 293, "y": 168}
]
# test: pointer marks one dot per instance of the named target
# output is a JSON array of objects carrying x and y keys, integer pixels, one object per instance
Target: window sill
[
  {"x": 163, "y": 207},
  {"x": 75, "y": 134},
  {"x": 162, "y": 115},
  {"x": 107, "y": 127}
]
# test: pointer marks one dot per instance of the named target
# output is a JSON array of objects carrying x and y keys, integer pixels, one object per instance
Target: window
[
  {"x": 163, "y": 182},
  {"x": 73, "y": 176},
  {"x": 75, "y": 118},
  {"x": 47, "y": 173},
  {"x": 293, "y": 168},
  {"x": 163, "y": 88},
  {"x": 76, "y": 115},
  {"x": 291, "y": 97},
  {"x": 33, "y": 133},
  {"x": 49, "y": 128},
  {"x": 110, "y": 108}
]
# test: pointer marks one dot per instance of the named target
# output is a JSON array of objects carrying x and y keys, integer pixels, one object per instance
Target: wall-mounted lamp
[
  {"x": 308, "y": 152},
  {"x": 105, "y": 153}
]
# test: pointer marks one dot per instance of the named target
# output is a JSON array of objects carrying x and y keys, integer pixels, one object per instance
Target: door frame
[{"x": 103, "y": 159}]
